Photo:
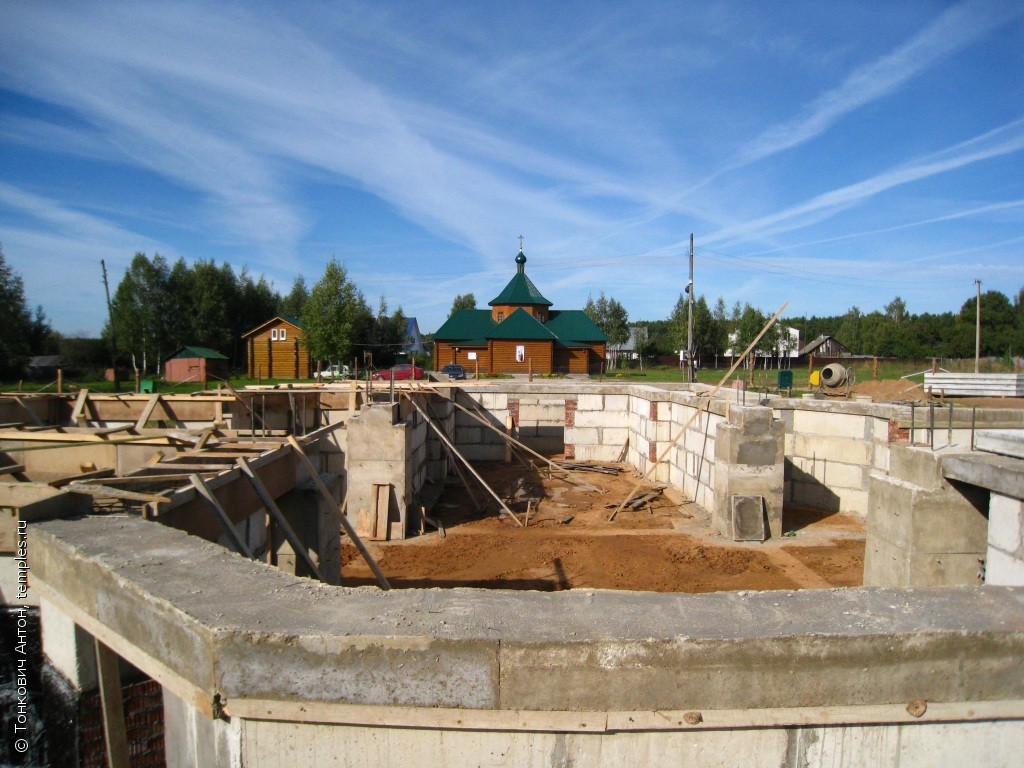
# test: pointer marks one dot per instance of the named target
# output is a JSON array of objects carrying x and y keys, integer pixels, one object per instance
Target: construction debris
[{"x": 607, "y": 469}]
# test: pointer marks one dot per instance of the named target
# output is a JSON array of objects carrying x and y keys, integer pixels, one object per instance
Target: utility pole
[
  {"x": 113, "y": 342},
  {"x": 689, "y": 320},
  {"x": 977, "y": 328}
]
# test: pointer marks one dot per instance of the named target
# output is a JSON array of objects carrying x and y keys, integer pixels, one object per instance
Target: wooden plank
[
  {"x": 279, "y": 518},
  {"x": 186, "y": 467},
  {"x": 151, "y": 405},
  {"x": 698, "y": 411},
  {"x": 115, "y": 731},
  {"x": 169, "y": 477},
  {"x": 12, "y": 469},
  {"x": 106, "y": 492},
  {"x": 95, "y": 474},
  {"x": 111, "y": 430},
  {"x": 345, "y": 523},
  {"x": 78, "y": 414},
  {"x": 382, "y": 507},
  {"x": 203, "y": 489},
  {"x": 451, "y": 447}
]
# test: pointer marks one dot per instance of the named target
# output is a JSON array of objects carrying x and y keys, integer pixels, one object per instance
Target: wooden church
[{"x": 520, "y": 333}]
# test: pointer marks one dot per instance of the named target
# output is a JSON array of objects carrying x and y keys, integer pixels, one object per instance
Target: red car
[{"x": 399, "y": 372}]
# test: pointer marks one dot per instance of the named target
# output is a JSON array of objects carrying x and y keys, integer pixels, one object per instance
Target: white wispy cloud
[
  {"x": 953, "y": 30},
  {"x": 1007, "y": 139}
]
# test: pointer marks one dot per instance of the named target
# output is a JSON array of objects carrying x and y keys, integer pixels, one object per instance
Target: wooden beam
[
  {"x": 94, "y": 475},
  {"x": 225, "y": 521},
  {"x": 279, "y": 518},
  {"x": 12, "y": 469},
  {"x": 115, "y": 732},
  {"x": 103, "y": 491},
  {"x": 78, "y": 414},
  {"x": 452, "y": 448},
  {"x": 697, "y": 412},
  {"x": 382, "y": 580},
  {"x": 151, "y": 405},
  {"x": 186, "y": 467}
]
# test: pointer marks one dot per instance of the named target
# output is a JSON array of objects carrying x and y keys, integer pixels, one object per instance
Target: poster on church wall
[
  {"x": 520, "y": 353},
  {"x": 471, "y": 355}
]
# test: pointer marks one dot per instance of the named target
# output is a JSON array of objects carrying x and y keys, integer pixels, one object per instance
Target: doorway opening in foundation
[{"x": 665, "y": 545}]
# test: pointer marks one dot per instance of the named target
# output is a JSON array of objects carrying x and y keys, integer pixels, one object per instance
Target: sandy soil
[
  {"x": 666, "y": 547},
  {"x": 905, "y": 391}
]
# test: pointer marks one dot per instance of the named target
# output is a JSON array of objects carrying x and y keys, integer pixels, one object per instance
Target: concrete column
[
  {"x": 377, "y": 454},
  {"x": 923, "y": 530},
  {"x": 749, "y": 462}
]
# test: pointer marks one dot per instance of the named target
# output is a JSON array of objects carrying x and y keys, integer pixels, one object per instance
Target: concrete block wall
[
  {"x": 1004, "y": 561},
  {"x": 831, "y": 450},
  {"x": 474, "y": 441}
]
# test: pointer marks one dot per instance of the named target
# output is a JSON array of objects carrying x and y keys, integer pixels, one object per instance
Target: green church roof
[
  {"x": 574, "y": 325},
  {"x": 466, "y": 324},
  {"x": 522, "y": 325},
  {"x": 520, "y": 289}
]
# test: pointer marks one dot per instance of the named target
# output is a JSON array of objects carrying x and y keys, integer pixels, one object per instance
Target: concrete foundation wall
[
  {"x": 320, "y": 675},
  {"x": 275, "y": 744}
]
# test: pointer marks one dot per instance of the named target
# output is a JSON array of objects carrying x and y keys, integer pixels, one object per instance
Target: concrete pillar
[
  {"x": 377, "y": 454},
  {"x": 923, "y": 530},
  {"x": 1004, "y": 561},
  {"x": 749, "y": 461}
]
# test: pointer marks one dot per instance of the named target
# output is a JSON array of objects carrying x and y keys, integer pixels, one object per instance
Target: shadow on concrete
[{"x": 804, "y": 489}]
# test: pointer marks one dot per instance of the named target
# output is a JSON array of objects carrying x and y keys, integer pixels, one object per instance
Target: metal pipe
[
  {"x": 931, "y": 426},
  {"x": 912, "y": 423},
  {"x": 949, "y": 434},
  {"x": 974, "y": 415}
]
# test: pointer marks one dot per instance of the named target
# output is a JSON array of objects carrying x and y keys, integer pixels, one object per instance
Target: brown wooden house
[
  {"x": 277, "y": 350},
  {"x": 520, "y": 333}
]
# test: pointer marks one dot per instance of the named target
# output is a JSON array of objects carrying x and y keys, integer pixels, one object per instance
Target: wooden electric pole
[
  {"x": 977, "y": 329},
  {"x": 113, "y": 342},
  {"x": 689, "y": 320}
]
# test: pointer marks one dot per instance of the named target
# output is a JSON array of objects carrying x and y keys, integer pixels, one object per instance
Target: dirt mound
[{"x": 891, "y": 391}]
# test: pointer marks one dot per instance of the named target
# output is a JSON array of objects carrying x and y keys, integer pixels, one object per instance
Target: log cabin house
[
  {"x": 520, "y": 333},
  {"x": 277, "y": 350}
]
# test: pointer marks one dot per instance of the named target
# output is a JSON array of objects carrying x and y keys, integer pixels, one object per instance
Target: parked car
[
  {"x": 453, "y": 372},
  {"x": 334, "y": 372},
  {"x": 399, "y": 373}
]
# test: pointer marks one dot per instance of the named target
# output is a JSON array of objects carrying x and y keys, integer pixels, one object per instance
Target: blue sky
[{"x": 828, "y": 154}]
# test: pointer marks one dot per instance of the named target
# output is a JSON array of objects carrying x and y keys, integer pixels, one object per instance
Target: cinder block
[
  {"x": 583, "y": 435},
  {"x": 618, "y": 403},
  {"x": 614, "y": 437},
  {"x": 1004, "y": 522},
  {"x": 839, "y": 449},
  {"x": 590, "y": 403},
  {"x": 1003, "y": 569},
  {"x": 831, "y": 424},
  {"x": 617, "y": 419},
  {"x": 465, "y": 436}
]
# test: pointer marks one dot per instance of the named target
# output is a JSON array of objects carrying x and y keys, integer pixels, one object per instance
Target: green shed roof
[
  {"x": 466, "y": 324},
  {"x": 204, "y": 352},
  {"x": 522, "y": 325},
  {"x": 574, "y": 325}
]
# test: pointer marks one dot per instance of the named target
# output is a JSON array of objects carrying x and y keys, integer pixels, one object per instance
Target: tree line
[
  {"x": 158, "y": 308},
  {"x": 891, "y": 332}
]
